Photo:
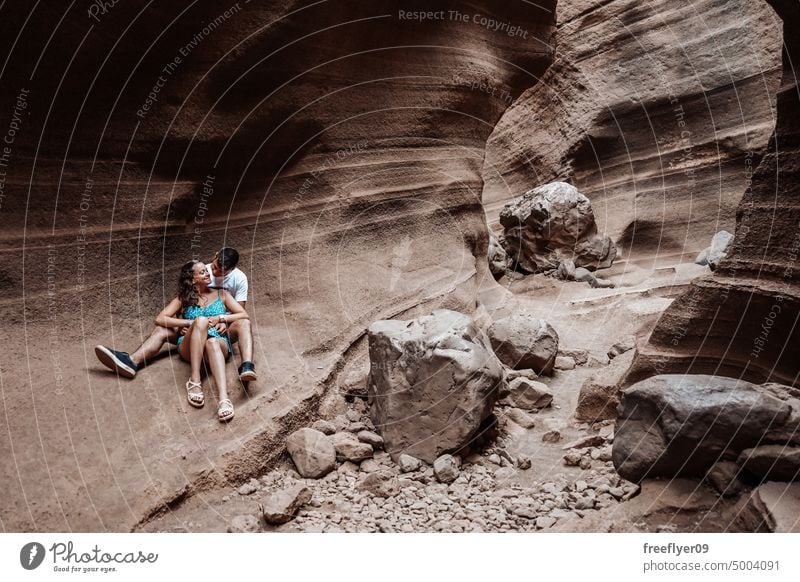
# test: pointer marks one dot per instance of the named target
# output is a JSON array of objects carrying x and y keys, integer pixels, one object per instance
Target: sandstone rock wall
[
  {"x": 658, "y": 111},
  {"x": 743, "y": 321},
  {"x": 338, "y": 145}
]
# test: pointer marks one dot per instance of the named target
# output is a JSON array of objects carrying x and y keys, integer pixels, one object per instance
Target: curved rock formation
[
  {"x": 742, "y": 322},
  {"x": 337, "y": 145},
  {"x": 657, "y": 111}
]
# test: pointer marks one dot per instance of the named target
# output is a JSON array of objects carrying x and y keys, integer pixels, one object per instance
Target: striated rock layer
[
  {"x": 337, "y": 145},
  {"x": 743, "y": 321},
  {"x": 657, "y": 111}
]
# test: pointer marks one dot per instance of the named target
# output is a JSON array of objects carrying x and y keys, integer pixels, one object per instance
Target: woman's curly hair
[{"x": 187, "y": 290}]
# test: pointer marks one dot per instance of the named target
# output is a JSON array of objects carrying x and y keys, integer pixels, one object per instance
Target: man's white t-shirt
[{"x": 234, "y": 283}]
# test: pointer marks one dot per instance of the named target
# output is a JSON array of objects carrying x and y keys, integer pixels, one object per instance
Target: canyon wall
[
  {"x": 658, "y": 111},
  {"x": 743, "y": 321},
  {"x": 338, "y": 145}
]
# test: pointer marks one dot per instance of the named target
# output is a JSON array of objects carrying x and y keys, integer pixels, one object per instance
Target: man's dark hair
[{"x": 227, "y": 258}]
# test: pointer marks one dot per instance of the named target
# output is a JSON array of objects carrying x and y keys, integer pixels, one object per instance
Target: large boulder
[
  {"x": 312, "y": 453},
  {"x": 552, "y": 223},
  {"x": 681, "y": 425},
  {"x": 523, "y": 341},
  {"x": 433, "y": 381}
]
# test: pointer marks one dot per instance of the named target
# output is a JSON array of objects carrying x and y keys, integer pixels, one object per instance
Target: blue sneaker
[{"x": 120, "y": 362}]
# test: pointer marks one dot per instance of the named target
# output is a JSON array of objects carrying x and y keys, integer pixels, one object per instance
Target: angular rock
[
  {"x": 771, "y": 462},
  {"x": 247, "y": 489},
  {"x": 446, "y": 468},
  {"x": 282, "y": 506},
  {"x": 529, "y": 394},
  {"x": 324, "y": 426},
  {"x": 600, "y": 393},
  {"x": 523, "y": 462},
  {"x": 408, "y": 464},
  {"x": 373, "y": 439},
  {"x": 724, "y": 477},
  {"x": 572, "y": 458},
  {"x": 566, "y": 270},
  {"x": 381, "y": 483},
  {"x": 521, "y": 418},
  {"x": 713, "y": 254},
  {"x": 680, "y": 425},
  {"x": 621, "y": 347},
  {"x": 349, "y": 448},
  {"x": 592, "y": 440},
  {"x": 312, "y": 453},
  {"x": 564, "y": 363},
  {"x": 433, "y": 382},
  {"x": 522, "y": 341},
  {"x": 551, "y": 436},
  {"x": 551, "y": 223}
]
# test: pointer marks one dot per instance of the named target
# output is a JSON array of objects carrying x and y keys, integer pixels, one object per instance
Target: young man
[{"x": 224, "y": 275}]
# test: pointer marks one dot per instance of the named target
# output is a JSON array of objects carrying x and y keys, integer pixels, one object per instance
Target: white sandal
[
  {"x": 196, "y": 399},
  {"x": 225, "y": 410}
]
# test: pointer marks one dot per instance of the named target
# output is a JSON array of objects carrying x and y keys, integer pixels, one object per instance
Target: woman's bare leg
[
  {"x": 191, "y": 348},
  {"x": 216, "y": 350}
]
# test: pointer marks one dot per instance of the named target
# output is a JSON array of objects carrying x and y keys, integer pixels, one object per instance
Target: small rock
[
  {"x": 572, "y": 458},
  {"x": 621, "y": 347},
  {"x": 585, "y": 462},
  {"x": 564, "y": 363},
  {"x": 349, "y": 448},
  {"x": 552, "y": 436},
  {"x": 585, "y": 503},
  {"x": 352, "y": 415},
  {"x": 520, "y": 417},
  {"x": 381, "y": 483},
  {"x": 247, "y": 489},
  {"x": 495, "y": 458},
  {"x": 373, "y": 439},
  {"x": 324, "y": 426},
  {"x": 356, "y": 427},
  {"x": 580, "y": 486},
  {"x": 312, "y": 453},
  {"x": 369, "y": 466},
  {"x": 617, "y": 492},
  {"x": 586, "y": 442},
  {"x": 282, "y": 506},
  {"x": 602, "y": 454},
  {"x": 446, "y": 468},
  {"x": 523, "y": 462},
  {"x": 529, "y": 394},
  {"x": 724, "y": 478},
  {"x": 244, "y": 524},
  {"x": 408, "y": 464},
  {"x": 607, "y": 432}
]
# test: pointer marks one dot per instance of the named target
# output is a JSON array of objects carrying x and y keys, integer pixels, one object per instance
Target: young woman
[{"x": 196, "y": 311}]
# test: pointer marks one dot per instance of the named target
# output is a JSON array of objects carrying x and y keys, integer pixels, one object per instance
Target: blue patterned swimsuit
[{"x": 213, "y": 310}]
